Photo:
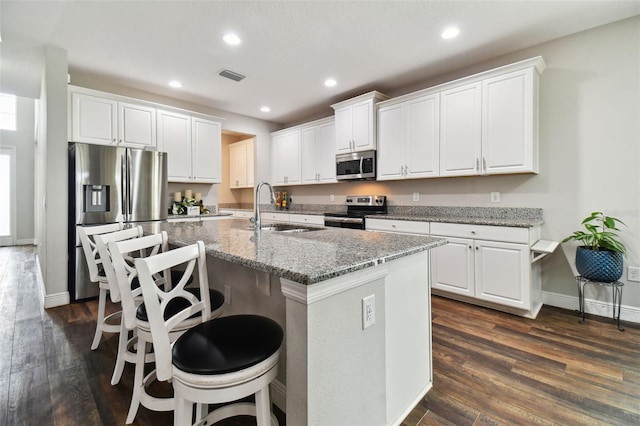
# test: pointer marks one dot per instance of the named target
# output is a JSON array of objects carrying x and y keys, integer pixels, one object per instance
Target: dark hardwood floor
[{"x": 490, "y": 368}]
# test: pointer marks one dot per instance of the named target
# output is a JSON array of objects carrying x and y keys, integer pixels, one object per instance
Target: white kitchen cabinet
[
  {"x": 510, "y": 123},
  {"x": 136, "y": 125},
  {"x": 241, "y": 162},
  {"x": 107, "y": 121},
  {"x": 487, "y": 264},
  {"x": 286, "y": 157},
  {"x": 355, "y": 123},
  {"x": 399, "y": 226},
  {"x": 491, "y": 126},
  {"x": 94, "y": 119},
  {"x": 193, "y": 147},
  {"x": 238, "y": 213},
  {"x": 460, "y": 130},
  {"x": 307, "y": 219},
  {"x": 408, "y": 138},
  {"x": 319, "y": 152},
  {"x": 206, "y": 136},
  {"x": 275, "y": 216},
  {"x": 174, "y": 138}
]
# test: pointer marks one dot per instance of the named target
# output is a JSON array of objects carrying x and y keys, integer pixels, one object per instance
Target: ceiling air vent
[{"x": 231, "y": 75}]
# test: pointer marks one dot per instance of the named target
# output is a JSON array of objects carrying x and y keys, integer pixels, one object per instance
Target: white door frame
[{"x": 10, "y": 240}]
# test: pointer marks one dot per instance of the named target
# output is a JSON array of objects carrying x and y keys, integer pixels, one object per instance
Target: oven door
[{"x": 344, "y": 222}]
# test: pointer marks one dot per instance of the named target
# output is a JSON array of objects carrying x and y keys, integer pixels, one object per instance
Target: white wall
[
  {"x": 23, "y": 139},
  {"x": 52, "y": 184},
  {"x": 589, "y": 149}
]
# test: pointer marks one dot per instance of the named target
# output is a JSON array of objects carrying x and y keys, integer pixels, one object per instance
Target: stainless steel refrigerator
[{"x": 107, "y": 185}]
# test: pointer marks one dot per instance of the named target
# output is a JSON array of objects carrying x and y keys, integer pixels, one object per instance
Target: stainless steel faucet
[{"x": 256, "y": 204}]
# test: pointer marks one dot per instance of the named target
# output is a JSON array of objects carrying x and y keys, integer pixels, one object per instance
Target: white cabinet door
[
  {"x": 460, "y": 130},
  {"x": 238, "y": 165},
  {"x": 344, "y": 132},
  {"x": 94, "y": 119},
  {"x": 285, "y": 157},
  {"x": 422, "y": 137},
  {"x": 326, "y": 153},
  {"x": 508, "y": 138},
  {"x": 502, "y": 273},
  {"x": 309, "y": 143},
  {"x": 390, "y": 143},
  {"x": 174, "y": 138},
  {"x": 206, "y": 150},
  {"x": 363, "y": 126},
  {"x": 452, "y": 267},
  {"x": 137, "y": 125},
  {"x": 241, "y": 164},
  {"x": 318, "y": 154}
]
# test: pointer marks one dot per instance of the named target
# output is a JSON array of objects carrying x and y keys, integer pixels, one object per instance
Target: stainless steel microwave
[{"x": 356, "y": 166}]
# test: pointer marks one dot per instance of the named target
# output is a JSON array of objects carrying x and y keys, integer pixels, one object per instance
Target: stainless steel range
[{"x": 358, "y": 206}]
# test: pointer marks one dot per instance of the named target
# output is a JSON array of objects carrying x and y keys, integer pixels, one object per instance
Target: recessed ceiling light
[
  {"x": 231, "y": 39},
  {"x": 265, "y": 109},
  {"x": 175, "y": 84},
  {"x": 330, "y": 82},
  {"x": 450, "y": 32}
]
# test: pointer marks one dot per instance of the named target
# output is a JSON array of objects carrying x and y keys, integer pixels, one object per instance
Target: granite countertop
[
  {"x": 305, "y": 257},
  {"x": 184, "y": 216},
  {"x": 517, "y": 217}
]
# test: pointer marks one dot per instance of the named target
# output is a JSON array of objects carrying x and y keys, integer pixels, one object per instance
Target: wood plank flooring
[{"x": 490, "y": 368}]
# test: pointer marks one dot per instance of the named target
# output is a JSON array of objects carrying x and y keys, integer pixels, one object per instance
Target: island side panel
[
  {"x": 342, "y": 380},
  {"x": 408, "y": 334},
  {"x": 253, "y": 292}
]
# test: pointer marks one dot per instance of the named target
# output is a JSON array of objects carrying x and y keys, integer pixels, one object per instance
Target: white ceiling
[{"x": 288, "y": 47}]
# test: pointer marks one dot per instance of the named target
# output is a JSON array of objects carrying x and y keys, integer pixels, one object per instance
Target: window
[{"x": 7, "y": 112}]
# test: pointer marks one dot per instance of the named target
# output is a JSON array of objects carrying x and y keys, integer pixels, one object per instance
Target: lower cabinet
[
  {"x": 486, "y": 265},
  {"x": 308, "y": 219}
]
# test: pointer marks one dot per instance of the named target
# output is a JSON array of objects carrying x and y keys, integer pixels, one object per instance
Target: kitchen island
[{"x": 355, "y": 307}]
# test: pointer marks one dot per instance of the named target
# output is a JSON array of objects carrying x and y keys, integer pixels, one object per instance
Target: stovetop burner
[{"x": 359, "y": 206}]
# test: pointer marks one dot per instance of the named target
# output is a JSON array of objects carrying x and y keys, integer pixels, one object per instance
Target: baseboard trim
[
  {"x": 279, "y": 395},
  {"x": 592, "y": 306},
  {"x": 26, "y": 242},
  {"x": 57, "y": 299}
]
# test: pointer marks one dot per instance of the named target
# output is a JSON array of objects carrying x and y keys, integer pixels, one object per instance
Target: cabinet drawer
[
  {"x": 278, "y": 217},
  {"x": 310, "y": 219},
  {"x": 482, "y": 232},
  {"x": 405, "y": 226}
]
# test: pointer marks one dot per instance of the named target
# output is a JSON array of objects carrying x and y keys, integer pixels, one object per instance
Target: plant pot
[{"x": 599, "y": 265}]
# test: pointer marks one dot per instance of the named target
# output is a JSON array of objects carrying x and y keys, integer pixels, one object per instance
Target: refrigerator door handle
[{"x": 129, "y": 185}]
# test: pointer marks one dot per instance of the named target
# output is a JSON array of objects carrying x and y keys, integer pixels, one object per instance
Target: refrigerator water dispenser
[{"x": 96, "y": 198}]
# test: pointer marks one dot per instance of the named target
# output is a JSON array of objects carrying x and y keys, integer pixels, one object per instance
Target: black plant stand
[{"x": 616, "y": 289}]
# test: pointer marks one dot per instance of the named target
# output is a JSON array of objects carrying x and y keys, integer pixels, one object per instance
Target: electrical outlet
[
  {"x": 495, "y": 197},
  {"x": 416, "y": 196},
  {"x": 633, "y": 273},
  {"x": 332, "y": 197},
  {"x": 368, "y": 311},
  {"x": 227, "y": 294}
]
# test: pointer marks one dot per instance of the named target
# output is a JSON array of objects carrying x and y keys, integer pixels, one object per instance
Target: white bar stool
[
  {"x": 135, "y": 314},
  {"x": 124, "y": 352},
  {"x": 218, "y": 361},
  {"x": 96, "y": 275}
]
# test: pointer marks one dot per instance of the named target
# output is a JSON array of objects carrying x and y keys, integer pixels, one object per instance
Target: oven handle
[{"x": 342, "y": 219}]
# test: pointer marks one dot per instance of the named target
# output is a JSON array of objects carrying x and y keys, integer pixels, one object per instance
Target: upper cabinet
[
  {"x": 355, "y": 122},
  {"x": 483, "y": 124},
  {"x": 192, "y": 140},
  {"x": 408, "y": 143},
  {"x": 105, "y": 121},
  {"x": 304, "y": 154},
  {"x": 241, "y": 162},
  {"x": 285, "y": 157},
  {"x": 319, "y": 152},
  {"x": 193, "y": 147}
]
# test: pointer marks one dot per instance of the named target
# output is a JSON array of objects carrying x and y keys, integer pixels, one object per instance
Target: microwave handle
[{"x": 361, "y": 165}]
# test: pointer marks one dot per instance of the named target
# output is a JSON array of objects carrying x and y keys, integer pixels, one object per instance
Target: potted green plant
[{"x": 600, "y": 258}]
